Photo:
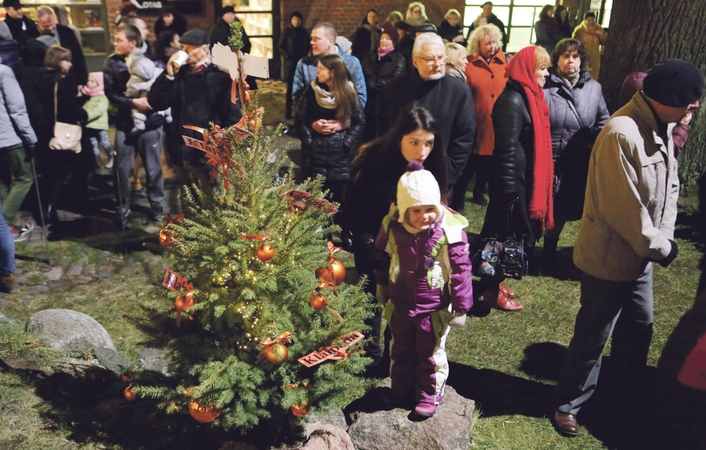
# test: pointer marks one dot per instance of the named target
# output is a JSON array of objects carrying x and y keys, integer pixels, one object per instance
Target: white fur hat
[{"x": 417, "y": 187}]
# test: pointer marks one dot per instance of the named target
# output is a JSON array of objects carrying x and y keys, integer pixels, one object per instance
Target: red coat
[{"x": 486, "y": 81}]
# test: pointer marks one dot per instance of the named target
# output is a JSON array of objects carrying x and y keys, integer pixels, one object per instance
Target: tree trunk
[{"x": 645, "y": 32}]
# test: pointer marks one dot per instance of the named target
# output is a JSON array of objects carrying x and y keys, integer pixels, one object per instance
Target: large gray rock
[
  {"x": 68, "y": 330},
  {"x": 449, "y": 429}
]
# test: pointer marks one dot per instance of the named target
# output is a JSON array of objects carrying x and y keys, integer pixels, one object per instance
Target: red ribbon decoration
[
  {"x": 282, "y": 338},
  {"x": 169, "y": 219},
  {"x": 256, "y": 237},
  {"x": 218, "y": 156}
]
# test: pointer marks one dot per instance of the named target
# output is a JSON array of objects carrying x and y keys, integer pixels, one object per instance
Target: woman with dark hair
[
  {"x": 375, "y": 171},
  {"x": 58, "y": 82},
  {"x": 546, "y": 29},
  {"x": 169, "y": 20},
  {"x": 578, "y": 113},
  {"x": 521, "y": 173},
  {"x": 561, "y": 15},
  {"x": 166, "y": 45},
  {"x": 366, "y": 38},
  {"x": 331, "y": 125},
  {"x": 379, "y": 67},
  {"x": 294, "y": 45}
]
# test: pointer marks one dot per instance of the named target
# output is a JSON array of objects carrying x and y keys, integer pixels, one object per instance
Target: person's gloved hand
[
  {"x": 29, "y": 152},
  {"x": 664, "y": 262},
  {"x": 381, "y": 294}
]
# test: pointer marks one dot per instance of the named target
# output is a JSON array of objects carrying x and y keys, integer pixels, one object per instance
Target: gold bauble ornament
[
  {"x": 265, "y": 252},
  {"x": 206, "y": 414},
  {"x": 335, "y": 274},
  {"x": 184, "y": 302},
  {"x": 301, "y": 410},
  {"x": 276, "y": 353},
  {"x": 164, "y": 238},
  {"x": 128, "y": 394},
  {"x": 318, "y": 301}
]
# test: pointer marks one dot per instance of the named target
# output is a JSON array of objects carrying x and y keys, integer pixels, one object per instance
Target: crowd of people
[
  {"x": 57, "y": 114},
  {"x": 398, "y": 120},
  {"x": 433, "y": 110}
]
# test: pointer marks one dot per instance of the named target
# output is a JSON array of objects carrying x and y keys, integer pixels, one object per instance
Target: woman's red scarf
[{"x": 521, "y": 69}]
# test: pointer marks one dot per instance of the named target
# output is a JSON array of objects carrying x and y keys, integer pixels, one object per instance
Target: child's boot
[{"x": 425, "y": 410}]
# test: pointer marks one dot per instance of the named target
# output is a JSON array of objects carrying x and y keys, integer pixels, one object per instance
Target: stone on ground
[
  {"x": 449, "y": 429},
  {"x": 68, "y": 330}
]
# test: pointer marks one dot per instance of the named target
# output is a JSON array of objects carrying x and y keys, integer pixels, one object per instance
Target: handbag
[
  {"x": 67, "y": 136},
  {"x": 492, "y": 257}
]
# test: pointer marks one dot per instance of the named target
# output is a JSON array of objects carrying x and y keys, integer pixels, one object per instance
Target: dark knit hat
[
  {"x": 228, "y": 9},
  {"x": 425, "y": 28},
  {"x": 391, "y": 31},
  {"x": 194, "y": 37},
  {"x": 674, "y": 83},
  {"x": 12, "y": 4},
  {"x": 297, "y": 14}
]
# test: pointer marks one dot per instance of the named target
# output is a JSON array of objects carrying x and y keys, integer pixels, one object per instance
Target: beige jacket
[{"x": 631, "y": 198}]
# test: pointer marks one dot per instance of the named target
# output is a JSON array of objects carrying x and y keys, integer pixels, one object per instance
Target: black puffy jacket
[
  {"x": 511, "y": 170},
  {"x": 377, "y": 73},
  {"x": 327, "y": 155}
]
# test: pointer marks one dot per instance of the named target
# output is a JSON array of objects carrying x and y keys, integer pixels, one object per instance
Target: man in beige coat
[{"x": 628, "y": 223}]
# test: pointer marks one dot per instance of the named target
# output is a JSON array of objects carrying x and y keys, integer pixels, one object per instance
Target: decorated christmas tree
[{"x": 260, "y": 326}]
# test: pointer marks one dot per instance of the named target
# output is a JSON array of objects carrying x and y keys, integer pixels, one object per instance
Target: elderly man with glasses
[{"x": 447, "y": 98}]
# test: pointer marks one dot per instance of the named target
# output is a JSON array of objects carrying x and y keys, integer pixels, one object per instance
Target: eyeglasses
[{"x": 433, "y": 59}]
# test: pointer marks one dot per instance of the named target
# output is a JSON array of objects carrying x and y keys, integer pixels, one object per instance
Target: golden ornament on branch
[{"x": 203, "y": 414}]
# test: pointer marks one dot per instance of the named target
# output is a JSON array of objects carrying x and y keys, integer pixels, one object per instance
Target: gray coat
[
  {"x": 15, "y": 129},
  {"x": 576, "y": 117}
]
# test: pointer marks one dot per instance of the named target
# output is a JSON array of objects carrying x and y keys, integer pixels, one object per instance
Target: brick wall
[{"x": 346, "y": 15}]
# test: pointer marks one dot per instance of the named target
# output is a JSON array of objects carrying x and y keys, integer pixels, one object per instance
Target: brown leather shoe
[
  {"x": 505, "y": 304},
  {"x": 506, "y": 291},
  {"x": 566, "y": 424}
]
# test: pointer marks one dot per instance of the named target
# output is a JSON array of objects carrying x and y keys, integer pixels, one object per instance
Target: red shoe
[
  {"x": 506, "y": 291},
  {"x": 505, "y": 304}
]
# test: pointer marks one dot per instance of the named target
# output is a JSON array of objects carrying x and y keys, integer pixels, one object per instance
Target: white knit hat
[{"x": 417, "y": 187}]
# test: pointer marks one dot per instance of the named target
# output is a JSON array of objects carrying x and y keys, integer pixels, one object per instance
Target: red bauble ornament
[
  {"x": 318, "y": 301},
  {"x": 201, "y": 414},
  {"x": 128, "y": 394},
  {"x": 265, "y": 252},
  {"x": 276, "y": 353},
  {"x": 300, "y": 410}
]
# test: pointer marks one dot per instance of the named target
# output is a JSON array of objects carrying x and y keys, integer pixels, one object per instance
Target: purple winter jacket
[{"x": 411, "y": 291}]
